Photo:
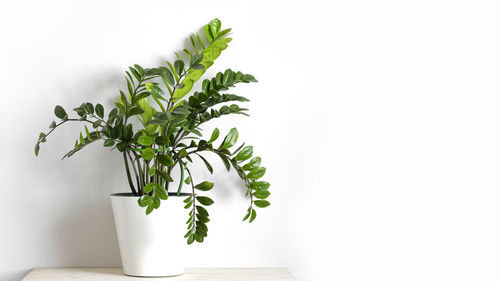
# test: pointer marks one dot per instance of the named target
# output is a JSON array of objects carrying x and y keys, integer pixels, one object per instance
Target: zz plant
[{"x": 168, "y": 134}]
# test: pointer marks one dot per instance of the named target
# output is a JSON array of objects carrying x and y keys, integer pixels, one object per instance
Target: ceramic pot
[{"x": 150, "y": 245}]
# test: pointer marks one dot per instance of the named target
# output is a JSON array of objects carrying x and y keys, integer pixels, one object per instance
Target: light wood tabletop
[{"x": 192, "y": 274}]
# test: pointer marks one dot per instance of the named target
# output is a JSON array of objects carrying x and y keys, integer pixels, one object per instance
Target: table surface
[{"x": 192, "y": 274}]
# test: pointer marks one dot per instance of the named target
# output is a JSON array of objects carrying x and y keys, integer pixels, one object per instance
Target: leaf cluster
[{"x": 168, "y": 131}]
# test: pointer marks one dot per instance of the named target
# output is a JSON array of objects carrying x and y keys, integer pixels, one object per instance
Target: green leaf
[
  {"x": 223, "y": 33},
  {"x": 139, "y": 69},
  {"x": 254, "y": 215},
  {"x": 215, "y": 135},
  {"x": 149, "y": 209},
  {"x": 151, "y": 171},
  {"x": 109, "y": 142},
  {"x": 148, "y": 153},
  {"x": 123, "y": 100},
  {"x": 257, "y": 173},
  {"x": 144, "y": 201},
  {"x": 230, "y": 139},
  {"x": 145, "y": 140},
  {"x": 261, "y": 203},
  {"x": 161, "y": 192},
  {"x": 149, "y": 187},
  {"x": 204, "y": 200},
  {"x": 249, "y": 78},
  {"x": 196, "y": 59},
  {"x": 60, "y": 112},
  {"x": 262, "y": 193},
  {"x": 202, "y": 211},
  {"x": 37, "y": 148},
  {"x": 165, "y": 160},
  {"x": 141, "y": 96},
  {"x": 208, "y": 32},
  {"x": 203, "y": 219},
  {"x": 135, "y": 73},
  {"x": 207, "y": 164},
  {"x": 258, "y": 185},
  {"x": 82, "y": 140},
  {"x": 52, "y": 125},
  {"x": 179, "y": 66},
  {"x": 182, "y": 153},
  {"x": 89, "y": 108},
  {"x": 96, "y": 124},
  {"x": 225, "y": 161},
  {"x": 165, "y": 175},
  {"x": 87, "y": 133},
  {"x": 211, "y": 53},
  {"x": 227, "y": 77},
  {"x": 200, "y": 41},
  {"x": 187, "y": 180},
  {"x": 155, "y": 91},
  {"x": 245, "y": 153},
  {"x": 166, "y": 74},
  {"x": 197, "y": 66},
  {"x": 156, "y": 201},
  {"x": 254, "y": 163},
  {"x": 193, "y": 42},
  {"x": 162, "y": 140},
  {"x": 215, "y": 26},
  {"x": 246, "y": 216},
  {"x": 204, "y": 186},
  {"x": 99, "y": 110},
  {"x": 190, "y": 239}
]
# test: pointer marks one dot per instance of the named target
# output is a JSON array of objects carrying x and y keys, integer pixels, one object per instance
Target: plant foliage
[{"x": 169, "y": 134}]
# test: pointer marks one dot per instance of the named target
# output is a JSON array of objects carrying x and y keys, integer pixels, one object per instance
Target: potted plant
[{"x": 156, "y": 126}]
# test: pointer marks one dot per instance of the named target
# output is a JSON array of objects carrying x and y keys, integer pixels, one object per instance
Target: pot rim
[{"x": 130, "y": 194}]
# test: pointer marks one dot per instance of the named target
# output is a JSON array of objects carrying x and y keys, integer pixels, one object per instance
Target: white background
[{"x": 378, "y": 122}]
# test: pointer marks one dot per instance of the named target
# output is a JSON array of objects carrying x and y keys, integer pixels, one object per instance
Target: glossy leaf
[
  {"x": 161, "y": 192},
  {"x": 145, "y": 140},
  {"x": 148, "y": 153},
  {"x": 155, "y": 91},
  {"x": 261, "y": 203},
  {"x": 144, "y": 201},
  {"x": 204, "y": 200},
  {"x": 261, "y": 194},
  {"x": 215, "y": 135},
  {"x": 179, "y": 66},
  {"x": 207, "y": 164},
  {"x": 166, "y": 74},
  {"x": 257, "y": 185},
  {"x": 257, "y": 173},
  {"x": 230, "y": 139},
  {"x": 60, "y": 112},
  {"x": 165, "y": 160},
  {"x": 245, "y": 153},
  {"x": 149, "y": 187},
  {"x": 109, "y": 142},
  {"x": 252, "y": 165},
  {"x": 204, "y": 186},
  {"x": 253, "y": 216},
  {"x": 215, "y": 26}
]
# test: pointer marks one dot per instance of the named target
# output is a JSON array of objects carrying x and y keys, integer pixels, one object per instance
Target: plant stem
[{"x": 131, "y": 184}]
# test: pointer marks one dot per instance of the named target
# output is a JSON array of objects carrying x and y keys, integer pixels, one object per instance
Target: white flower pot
[{"x": 150, "y": 245}]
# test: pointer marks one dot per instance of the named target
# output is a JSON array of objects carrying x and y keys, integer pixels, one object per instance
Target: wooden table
[{"x": 192, "y": 274}]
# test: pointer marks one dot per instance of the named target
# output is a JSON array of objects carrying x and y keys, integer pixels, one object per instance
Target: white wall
[{"x": 378, "y": 122}]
